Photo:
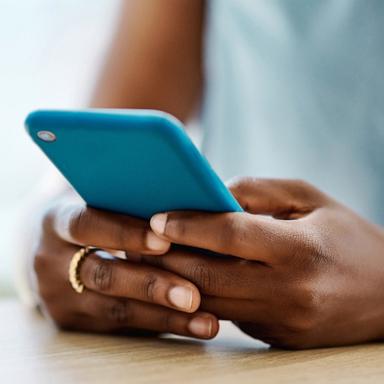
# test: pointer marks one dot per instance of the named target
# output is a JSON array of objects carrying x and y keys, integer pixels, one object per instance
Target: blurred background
[{"x": 50, "y": 54}]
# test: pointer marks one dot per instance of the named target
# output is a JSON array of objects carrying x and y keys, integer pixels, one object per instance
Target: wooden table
[{"x": 32, "y": 351}]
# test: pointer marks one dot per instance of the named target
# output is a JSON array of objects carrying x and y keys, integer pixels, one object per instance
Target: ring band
[{"x": 74, "y": 268}]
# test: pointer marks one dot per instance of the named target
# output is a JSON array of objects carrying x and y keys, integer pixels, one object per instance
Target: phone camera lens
[{"x": 46, "y": 136}]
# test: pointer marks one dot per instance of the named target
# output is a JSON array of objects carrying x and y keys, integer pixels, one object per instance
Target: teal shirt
[{"x": 295, "y": 89}]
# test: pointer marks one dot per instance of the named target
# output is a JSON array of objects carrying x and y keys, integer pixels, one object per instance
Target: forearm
[{"x": 154, "y": 61}]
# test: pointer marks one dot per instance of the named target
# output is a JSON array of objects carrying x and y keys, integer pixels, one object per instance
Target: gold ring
[{"x": 74, "y": 268}]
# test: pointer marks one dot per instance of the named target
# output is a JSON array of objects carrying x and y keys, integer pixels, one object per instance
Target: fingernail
[
  {"x": 181, "y": 297},
  {"x": 158, "y": 222},
  {"x": 200, "y": 326},
  {"x": 154, "y": 242}
]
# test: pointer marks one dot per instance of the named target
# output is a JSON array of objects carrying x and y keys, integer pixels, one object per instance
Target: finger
[
  {"x": 288, "y": 199},
  {"x": 238, "y": 234},
  {"x": 113, "y": 277},
  {"x": 83, "y": 225},
  {"x": 238, "y": 309},
  {"x": 112, "y": 314},
  {"x": 217, "y": 276}
]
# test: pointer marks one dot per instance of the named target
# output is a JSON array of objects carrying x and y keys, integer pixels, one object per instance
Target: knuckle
[
  {"x": 46, "y": 283},
  {"x": 102, "y": 275},
  {"x": 303, "y": 188},
  {"x": 309, "y": 298},
  {"x": 301, "y": 184},
  {"x": 40, "y": 263},
  {"x": 46, "y": 294},
  {"x": 302, "y": 324},
  {"x": 203, "y": 277},
  {"x": 121, "y": 312},
  {"x": 307, "y": 248},
  {"x": 118, "y": 234},
  {"x": 308, "y": 192},
  {"x": 78, "y": 222},
  {"x": 229, "y": 231},
  {"x": 305, "y": 314},
  {"x": 149, "y": 286},
  {"x": 313, "y": 245},
  {"x": 240, "y": 183},
  {"x": 142, "y": 237},
  {"x": 48, "y": 219},
  {"x": 42, "y": 285},
  {"x": 240, "y": 186},
  {"x": 175, "y": 228}
]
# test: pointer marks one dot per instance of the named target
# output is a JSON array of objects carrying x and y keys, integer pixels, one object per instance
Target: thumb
[{"x": 280, "y": 198}]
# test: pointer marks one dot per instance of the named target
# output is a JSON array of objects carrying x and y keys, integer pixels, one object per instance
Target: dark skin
[
  {"x": 303, "y": 270},
  {"x": 154, "y": 62},
  {"x": 120, "y": 295}
]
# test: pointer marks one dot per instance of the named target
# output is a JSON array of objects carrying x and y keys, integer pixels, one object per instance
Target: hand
[
  {"x": 309, "y": 274},
  {"x": 119, "y": 295}
]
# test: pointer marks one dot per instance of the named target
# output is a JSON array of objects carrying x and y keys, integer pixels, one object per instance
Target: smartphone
[{"x": 135, "y": 162}]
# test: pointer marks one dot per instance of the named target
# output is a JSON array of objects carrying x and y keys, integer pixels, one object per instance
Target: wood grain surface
[{"x": 33, "y": 351}]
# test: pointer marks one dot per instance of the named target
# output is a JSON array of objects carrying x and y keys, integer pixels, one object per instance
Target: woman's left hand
[{"x": 306, "y": 271}]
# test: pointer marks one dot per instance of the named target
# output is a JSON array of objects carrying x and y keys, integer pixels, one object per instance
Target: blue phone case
[{"x": 136, "y": 162}]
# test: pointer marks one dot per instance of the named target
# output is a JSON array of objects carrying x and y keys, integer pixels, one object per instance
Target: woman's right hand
[{"x": 119, "y": 295}]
